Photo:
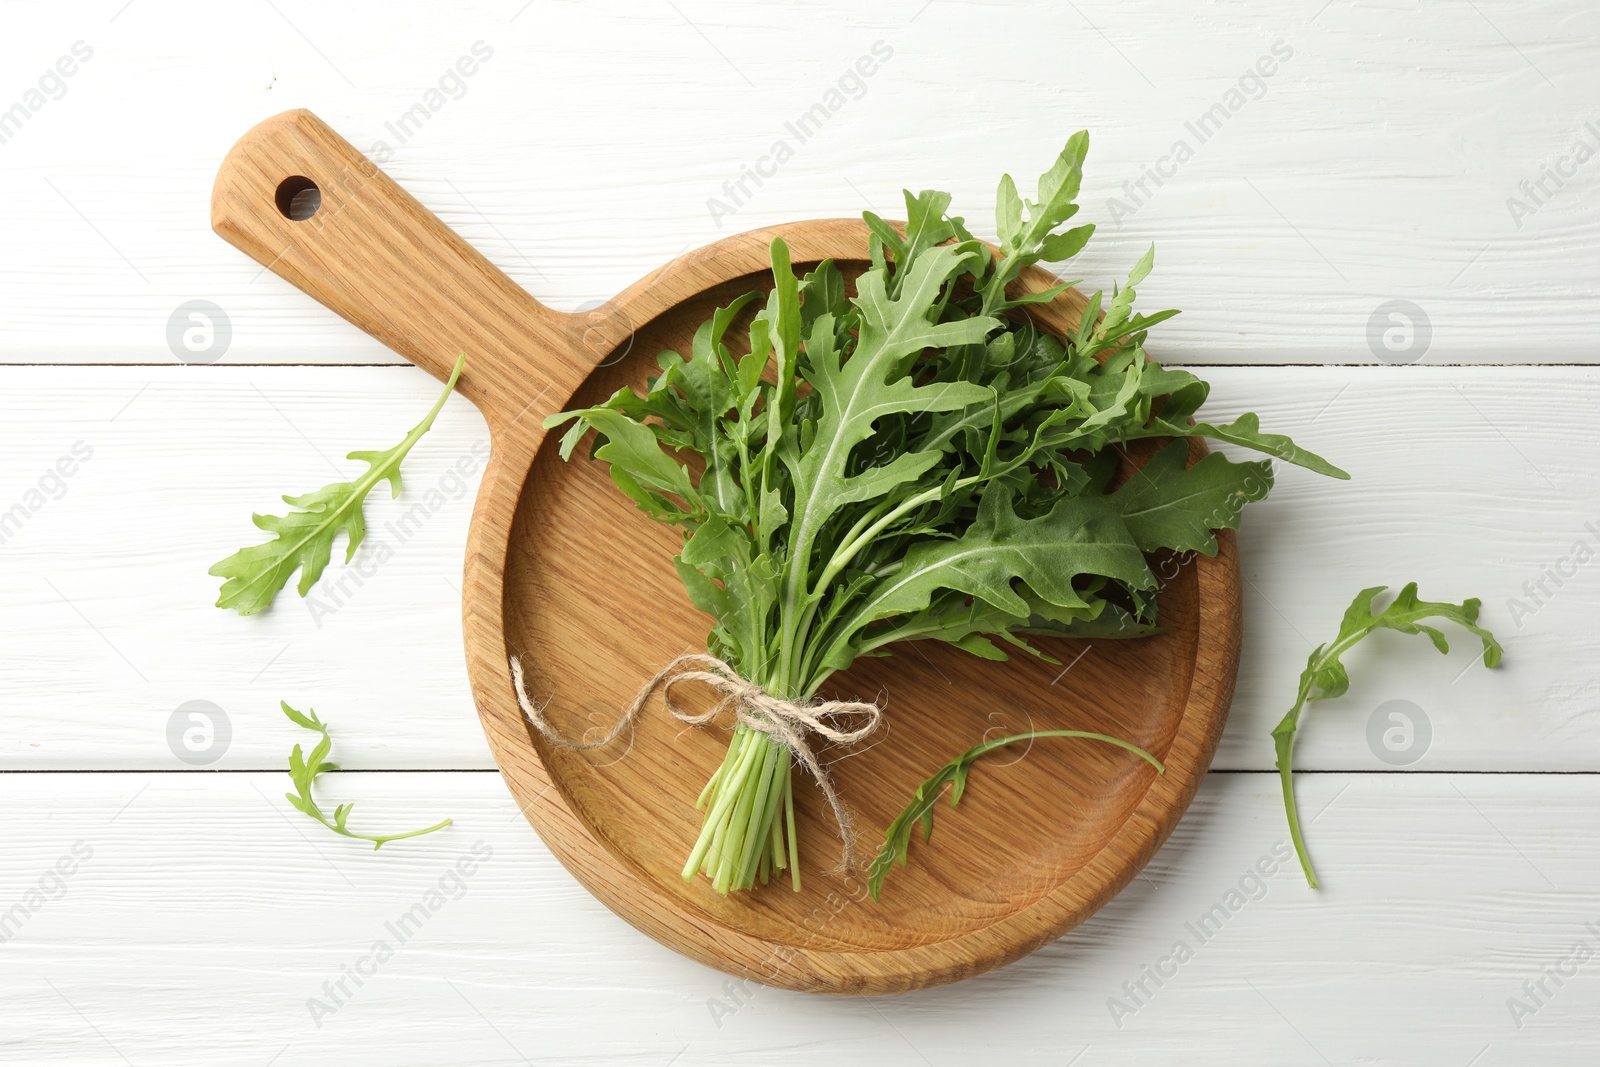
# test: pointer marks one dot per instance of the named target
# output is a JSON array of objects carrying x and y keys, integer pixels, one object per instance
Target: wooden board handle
[{"x": 299, "y": 199}]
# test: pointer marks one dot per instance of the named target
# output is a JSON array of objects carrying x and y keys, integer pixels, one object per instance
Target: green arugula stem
[
  {"x": 748, "y": 803},
  {"x": 394, "y": 456},
  {"x": 379, "y": 840},
  {"x": 1001, "y": 742},
  {"x": 856, "y": 541},
  {"x": 853, "y": 542},
  {"x": 1283, "y": 743}
]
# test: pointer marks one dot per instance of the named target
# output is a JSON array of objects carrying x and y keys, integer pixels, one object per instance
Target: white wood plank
[
  {"x": 116, "y": 568},
  {"x": 207, "y": 915},
  {"x": 1375, "y": 163},
  {"x": 1471, "y": 481}
]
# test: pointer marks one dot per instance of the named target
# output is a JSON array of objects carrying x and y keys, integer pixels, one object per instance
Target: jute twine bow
[{"x": 787, "y": 722}]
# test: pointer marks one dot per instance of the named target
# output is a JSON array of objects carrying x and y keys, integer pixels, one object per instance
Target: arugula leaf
[
  {"x": 897, "y": 839},
  {"x": 303, "y": 771},
  {"x": 914, "y": 461},
  {"x": 1078, "y": 536},
  {"x": 1166, "y": 504},
  {"x": 1246, "y": 431},
  {"x": 1325, "y": 676},
  {"x": 303, "y": 539}
]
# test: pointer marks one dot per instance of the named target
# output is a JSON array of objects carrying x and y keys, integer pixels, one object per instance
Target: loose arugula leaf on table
[
  {"x": 303, "y": 539},
  {"x": 897, "y": 839},
  {"x": 1325, "y": 676},
  {"x": 303, "y": 771},
  {"x": 915, "y": 461}
]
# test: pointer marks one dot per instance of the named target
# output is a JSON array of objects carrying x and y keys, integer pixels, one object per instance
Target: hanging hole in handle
[{"x": 298, "y": 198}]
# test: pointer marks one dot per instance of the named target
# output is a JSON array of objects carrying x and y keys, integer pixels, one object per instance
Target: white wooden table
[{"x": 1420, "y": 153}]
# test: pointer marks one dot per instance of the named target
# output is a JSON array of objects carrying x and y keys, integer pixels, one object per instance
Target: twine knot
[{"x": 788, "y": 722}]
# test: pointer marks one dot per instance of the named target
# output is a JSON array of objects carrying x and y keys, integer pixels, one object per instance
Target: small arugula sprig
[
  {"x": 303, "y": 539},
  {"x": 1325, "y": 676},
  {"x": 303, "y": 771},
  {"x": 897, "y": 839}
]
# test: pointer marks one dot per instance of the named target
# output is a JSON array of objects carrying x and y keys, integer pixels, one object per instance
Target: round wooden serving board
[{"x": 564, "y": 572}]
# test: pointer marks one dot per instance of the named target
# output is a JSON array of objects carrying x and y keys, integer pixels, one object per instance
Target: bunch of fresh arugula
[{"x": 914, "y": 462}]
